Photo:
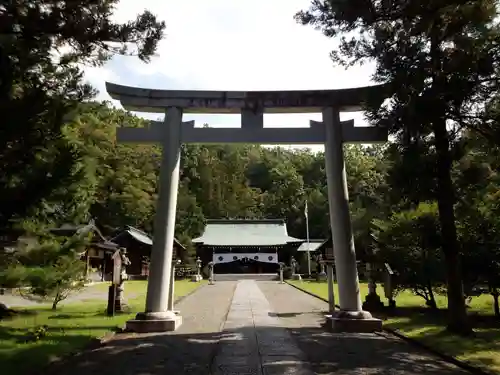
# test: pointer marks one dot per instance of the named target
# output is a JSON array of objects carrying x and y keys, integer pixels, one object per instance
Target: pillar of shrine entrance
[
  {"x": 350, "y": 317},
  {"x": 158, "y": 315}
]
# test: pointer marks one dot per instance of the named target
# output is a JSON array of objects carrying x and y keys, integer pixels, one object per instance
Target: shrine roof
[
  {"x": 313, "y": 245},
  {"x": 139, "y": 236},
  {"x": 243, "y": 232}
]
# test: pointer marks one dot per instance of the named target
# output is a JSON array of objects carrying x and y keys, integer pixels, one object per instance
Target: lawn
[
  {"x": 131, "y": 287},
  {"x": 69, "y": 328},
  {"x": 413, "y": 320}
]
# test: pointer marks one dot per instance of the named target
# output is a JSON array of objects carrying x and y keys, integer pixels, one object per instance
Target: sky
[{"x": 232, "y": 45}]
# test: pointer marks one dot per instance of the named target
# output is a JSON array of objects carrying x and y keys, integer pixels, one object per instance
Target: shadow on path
[
  {"x": 337, "y": 353},
  {"x": 194, "y": 354}
]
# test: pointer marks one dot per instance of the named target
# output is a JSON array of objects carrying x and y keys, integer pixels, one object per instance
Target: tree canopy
[{"x": 43, "y": 45}]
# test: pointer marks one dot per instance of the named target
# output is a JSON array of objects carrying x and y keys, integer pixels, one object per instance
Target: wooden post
[
  {"x": 114, "y": 304},
  {"x": 87, "y": 264}
]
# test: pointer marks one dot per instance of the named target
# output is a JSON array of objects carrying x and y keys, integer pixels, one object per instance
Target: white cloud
[{"x": 233, "y": 45}]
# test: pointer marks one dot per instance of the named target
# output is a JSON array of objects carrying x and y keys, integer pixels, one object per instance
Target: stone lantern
[{"x": 197, "y": 278}]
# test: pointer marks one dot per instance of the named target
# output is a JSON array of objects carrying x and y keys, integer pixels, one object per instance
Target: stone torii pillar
[
  {"x": 251, "y": 105},
  {"x": 159, "y": 315},
  {"x": 351, "y": 316}
]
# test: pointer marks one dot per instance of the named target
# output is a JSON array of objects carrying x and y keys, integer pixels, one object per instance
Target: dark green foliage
[
  {"x": 36, "y": 334},
  {"x": 49, "y": 269},
  {"x": 410, "y": 242},
  {"x": 41, "y": 45}
]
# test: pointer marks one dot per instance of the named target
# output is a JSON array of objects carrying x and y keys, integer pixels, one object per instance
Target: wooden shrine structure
[{"x": 245, "y": 246}]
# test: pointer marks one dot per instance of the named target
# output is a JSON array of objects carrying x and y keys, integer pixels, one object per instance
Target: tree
[
  {"x": 42, "y": 47},
  {"x": 478, "y": 210},
  {"x": 439, "y": 61},
  {"x": 409, "y": 241},
  {"x": 50, "y": 269}
]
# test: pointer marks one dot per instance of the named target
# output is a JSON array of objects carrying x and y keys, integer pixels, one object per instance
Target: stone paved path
[
  {"x": 253, "y": 328},
  {"x": 253, "y": 340},
  {"x": 346, "y": 354}
]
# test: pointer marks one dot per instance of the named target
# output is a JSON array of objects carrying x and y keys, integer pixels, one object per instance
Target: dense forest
[{"x": 115, "y": 184}]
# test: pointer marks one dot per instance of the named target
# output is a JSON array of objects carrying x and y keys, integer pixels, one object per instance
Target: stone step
[{"x": 245, "y": 276}]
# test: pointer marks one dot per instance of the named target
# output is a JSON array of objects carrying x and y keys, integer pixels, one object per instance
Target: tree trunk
[
  {"x": 496, "y": 306},
  {"x": 457, "y": 313},
  {"x": 432, "y": 300},
  {"x": 56, "y": 300}
]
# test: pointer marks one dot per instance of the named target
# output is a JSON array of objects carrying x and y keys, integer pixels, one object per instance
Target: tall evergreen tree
[
  {"x": 439, "y": 60},
  {"x": 42, "y": 46}
]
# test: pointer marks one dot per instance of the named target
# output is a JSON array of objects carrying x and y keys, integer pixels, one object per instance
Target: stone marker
[
  {"x": 331, "y": 282},
  {"x": 171, "y": 298},
  {"x": 389, "y": 285},
  {"x": 322, "y": 274},
  {"x": 293, "y": 265},
  {"x": 211, "y": 273}
]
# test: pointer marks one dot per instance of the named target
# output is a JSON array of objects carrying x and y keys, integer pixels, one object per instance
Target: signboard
[
  {"x": 329, "y": 255},
  {"x": 117, "y": 267}
]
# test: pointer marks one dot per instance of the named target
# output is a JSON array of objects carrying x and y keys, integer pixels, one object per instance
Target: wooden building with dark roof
[{"x": 139, "y": 245}]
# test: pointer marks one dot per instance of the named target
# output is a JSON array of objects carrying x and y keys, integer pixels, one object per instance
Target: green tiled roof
[{"x": 270, "y": 232}]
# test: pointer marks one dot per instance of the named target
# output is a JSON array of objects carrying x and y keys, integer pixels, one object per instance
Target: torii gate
[{"x": 251, "y": 105}]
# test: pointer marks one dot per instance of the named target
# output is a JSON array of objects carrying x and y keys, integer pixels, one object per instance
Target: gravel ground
[
  {"x": 346, "y": 354},
  {"x": 189, "y": 350}
]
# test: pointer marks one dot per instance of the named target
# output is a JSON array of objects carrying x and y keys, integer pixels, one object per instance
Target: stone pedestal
[
  {"x": 353, "y": 321},
  {"x": 373, "y": 303},
  {"x": 322, "y": 276},
  {"x": 196, "y": 278},
  {"x": 154, "y": 322},
  {"x": 296, "y": 277}
]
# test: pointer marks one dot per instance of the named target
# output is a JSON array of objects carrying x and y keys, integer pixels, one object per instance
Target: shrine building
[{"x": 246, "y": 246}]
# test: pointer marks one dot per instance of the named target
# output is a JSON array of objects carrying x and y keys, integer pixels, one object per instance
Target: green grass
[
  {"x": 70, "y": 327},
  {"x": 132, "y": 287},
  {"x": 414, "y": 320}
]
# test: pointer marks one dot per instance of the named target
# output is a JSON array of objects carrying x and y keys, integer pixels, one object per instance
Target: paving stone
[
  {"x": 237, "y": 370},
  {"x": 264, "y": 346},
  {"x": 285, "y": 365}
]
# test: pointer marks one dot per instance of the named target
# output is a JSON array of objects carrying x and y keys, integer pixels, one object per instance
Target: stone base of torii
[{"x": 159, "y": 314}]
